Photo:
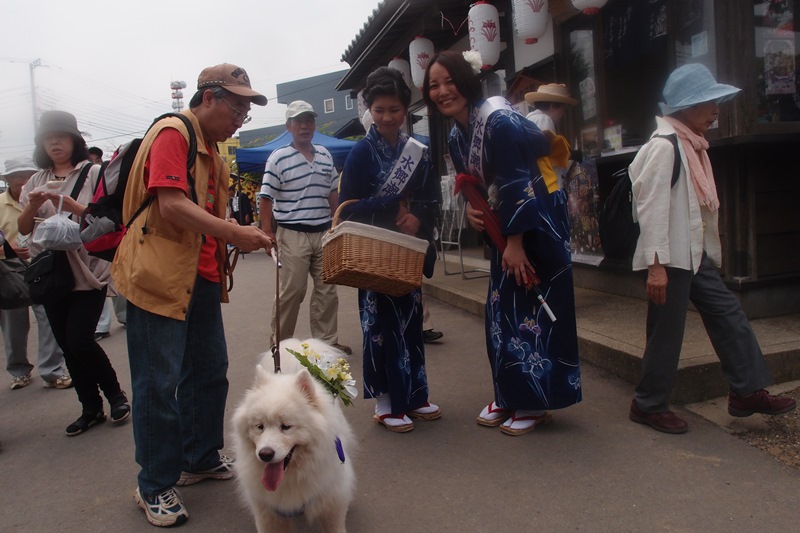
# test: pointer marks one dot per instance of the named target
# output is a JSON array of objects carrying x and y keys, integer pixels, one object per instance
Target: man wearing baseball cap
[
  {"x": 15, "y": 323},
  {"x": 171, "y": 267},
  {"x": 300, "y": 192}
]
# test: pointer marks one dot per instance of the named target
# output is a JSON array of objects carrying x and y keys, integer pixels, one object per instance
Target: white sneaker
[
  {"x": 20, "y": 382},
  {"x": 163, "y": 510},
  {"x": 221, "y": 472}
]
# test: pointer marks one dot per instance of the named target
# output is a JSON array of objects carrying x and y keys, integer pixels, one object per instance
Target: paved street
[{"x": 591, "y": 470}]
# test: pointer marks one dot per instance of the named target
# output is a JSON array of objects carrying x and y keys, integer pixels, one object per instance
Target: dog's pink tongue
[{"x": 272, "y": 476}]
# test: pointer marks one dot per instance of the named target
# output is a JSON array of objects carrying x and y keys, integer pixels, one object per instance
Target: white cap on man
[{"x": 297, "y": 108}]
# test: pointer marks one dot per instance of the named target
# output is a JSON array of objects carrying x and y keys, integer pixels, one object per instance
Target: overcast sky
[{"x": 110, "y": 62}]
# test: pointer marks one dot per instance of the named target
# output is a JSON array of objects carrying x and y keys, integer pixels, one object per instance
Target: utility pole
[{"x": 35, "y": 63}]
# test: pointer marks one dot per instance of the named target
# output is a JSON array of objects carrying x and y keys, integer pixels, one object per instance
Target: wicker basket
[{"x": 368, "y": 257}]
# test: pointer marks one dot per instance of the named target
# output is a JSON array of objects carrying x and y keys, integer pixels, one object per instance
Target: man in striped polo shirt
[{"x": 299, "y": 192}]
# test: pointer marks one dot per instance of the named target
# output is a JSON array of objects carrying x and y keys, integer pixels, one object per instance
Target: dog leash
[{"x": 276, "y": 348}]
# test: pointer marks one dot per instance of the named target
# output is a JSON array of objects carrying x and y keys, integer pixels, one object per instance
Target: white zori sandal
[
  {"x": 429, "y": 411},
  {"x": 492, "y": 416},
  {"x": 522, "y": 422}
]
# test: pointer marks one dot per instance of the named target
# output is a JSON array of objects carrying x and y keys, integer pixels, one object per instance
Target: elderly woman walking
[{"x": 679, "y": 246}]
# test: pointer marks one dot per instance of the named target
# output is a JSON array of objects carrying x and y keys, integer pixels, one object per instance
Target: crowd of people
[{"x": 168, "y": 275}]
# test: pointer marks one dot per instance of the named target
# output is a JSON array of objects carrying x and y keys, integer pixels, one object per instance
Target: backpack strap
[
  {"x": 76, "y": 190},
  {"x": 676, "y": 165},
  {"x": 190, "y": 160}
]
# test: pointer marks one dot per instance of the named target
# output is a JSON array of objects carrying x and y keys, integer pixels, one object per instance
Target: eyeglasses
[{"x": 237, "y": 114}]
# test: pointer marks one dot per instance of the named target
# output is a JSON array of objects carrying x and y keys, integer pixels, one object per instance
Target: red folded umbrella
[{"x": 470, "y": 187}]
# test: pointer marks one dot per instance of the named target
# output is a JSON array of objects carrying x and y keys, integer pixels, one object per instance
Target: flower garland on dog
[{"x": 331, "y": 370}]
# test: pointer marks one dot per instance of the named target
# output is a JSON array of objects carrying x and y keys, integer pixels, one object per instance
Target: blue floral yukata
[
  {"x": 534, "y": 361},
  {"x": 394, "y": 352}
]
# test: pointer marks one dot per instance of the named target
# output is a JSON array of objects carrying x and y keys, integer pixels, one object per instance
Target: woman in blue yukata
[
  {"x": 390, "y": 174},
  {"x": 533, "y": 356}
]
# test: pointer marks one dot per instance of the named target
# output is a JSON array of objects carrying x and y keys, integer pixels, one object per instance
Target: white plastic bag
[{"x": 58, "y": 232}]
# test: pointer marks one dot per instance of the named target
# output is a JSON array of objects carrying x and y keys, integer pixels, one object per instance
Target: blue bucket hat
[{"x": 693, "y": 84}]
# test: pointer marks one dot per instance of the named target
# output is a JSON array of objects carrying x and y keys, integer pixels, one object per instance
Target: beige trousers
[{"x": 301, "y": 256}]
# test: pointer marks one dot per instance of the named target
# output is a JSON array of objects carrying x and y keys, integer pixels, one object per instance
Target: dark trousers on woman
[
  {"x": 725, "y": 322},
  {"x": 73, "y": 320}
]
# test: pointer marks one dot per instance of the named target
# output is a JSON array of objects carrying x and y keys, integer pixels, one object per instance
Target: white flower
[{"x": 473, "y": 57}]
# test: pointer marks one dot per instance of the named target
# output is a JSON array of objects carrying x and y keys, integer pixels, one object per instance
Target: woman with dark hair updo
[
  {"x": 389, "y": 173},
  {"x": 533, "y": 355},
  {"x": 61, "y": 153}
]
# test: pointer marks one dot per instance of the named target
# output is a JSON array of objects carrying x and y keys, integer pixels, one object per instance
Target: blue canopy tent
[{"x": 254, "y": 159}]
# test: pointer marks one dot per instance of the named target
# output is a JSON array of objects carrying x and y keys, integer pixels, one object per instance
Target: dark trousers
[
  {"x": 73, "y": 320},
  {"x": 725, "y": 322}
]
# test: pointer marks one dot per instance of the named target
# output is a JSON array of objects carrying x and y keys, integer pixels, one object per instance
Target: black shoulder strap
[
  {"x": 76, "y": 190},
  {"x": 190, "y": 160},
  {"x": 676, "y": 165},
  {"x": 192, "y": 157},
  {"x": 9, "y": 250}
]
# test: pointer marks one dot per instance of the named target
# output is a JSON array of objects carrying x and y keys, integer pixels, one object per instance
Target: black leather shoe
[
  {"x": 663, "y": 421},
  {"x": 431, "y": 335}
]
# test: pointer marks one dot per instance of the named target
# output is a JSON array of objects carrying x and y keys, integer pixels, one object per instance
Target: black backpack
[
  {"x": 102, "y": 227},
  {"x": 618, "y": 231}
]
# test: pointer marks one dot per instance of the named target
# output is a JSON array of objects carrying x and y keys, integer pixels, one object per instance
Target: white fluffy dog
[{"x": 293, "y": 446}]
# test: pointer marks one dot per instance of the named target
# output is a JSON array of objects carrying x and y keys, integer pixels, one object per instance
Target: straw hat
[
  {"x": 693, "y": 84},
  {"x": 550, "y": 92}
]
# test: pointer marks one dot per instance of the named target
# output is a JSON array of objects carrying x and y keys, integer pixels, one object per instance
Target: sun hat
[
  {"x": 693, "y": 84},
  {"x": 57, "y": 122},
  {"x": 19, "y": 164},
  {"x": 231, "y": 78},
  {"x": 298, "y": 107},
  {"x": 550, "y": 92}
]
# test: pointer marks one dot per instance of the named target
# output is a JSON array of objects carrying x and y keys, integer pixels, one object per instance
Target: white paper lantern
[
  {"x": 398, "y": 63},
  {"x": 589, "y": 7},
  {"x": 420, "y": 51},
  {"x": 530, "y": 19},
  {"x": 484, "y": 32}
]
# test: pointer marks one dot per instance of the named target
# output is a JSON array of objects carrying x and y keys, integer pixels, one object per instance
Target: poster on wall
[
  {"x": 581, "y": 186},
  {"x": 779, "y": 66}
]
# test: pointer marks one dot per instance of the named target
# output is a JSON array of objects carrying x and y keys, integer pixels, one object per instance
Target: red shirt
[{"x": 166, "y": 167}]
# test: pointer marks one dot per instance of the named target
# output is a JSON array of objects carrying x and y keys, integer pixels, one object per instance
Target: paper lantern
[
  {"x": 589, "y": 7},
  {"x": 403, "y": 66},
  {"x": 420, "y": 51},
  {"x": 530, "y": 19},
  {"x": 484, "y": 32}
]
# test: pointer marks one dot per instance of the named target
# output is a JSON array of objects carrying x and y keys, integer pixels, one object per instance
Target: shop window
[
  {"x": 582, "y": 72},
  {"x": 776, "y": 60},
  {"x": 695, "y": 33},
  {"x": 328, "y": 104},
  {"x": 636, "y": 63}
]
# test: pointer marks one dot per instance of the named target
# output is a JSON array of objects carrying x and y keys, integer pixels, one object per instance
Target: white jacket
[{"x": 673, "y": 224}]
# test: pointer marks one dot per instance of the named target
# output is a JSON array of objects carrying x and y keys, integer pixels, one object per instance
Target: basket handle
[{"x": 338, "y": 212}]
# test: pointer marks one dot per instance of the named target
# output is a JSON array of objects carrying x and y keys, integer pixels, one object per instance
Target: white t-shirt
[{"x": 542, "y": 121}]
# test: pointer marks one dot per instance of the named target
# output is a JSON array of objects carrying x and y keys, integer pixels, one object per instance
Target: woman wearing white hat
[{"x": 680, "y": 248}]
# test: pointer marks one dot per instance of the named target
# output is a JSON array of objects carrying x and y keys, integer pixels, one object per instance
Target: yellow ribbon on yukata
[{"x": 559, "y": 157}]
